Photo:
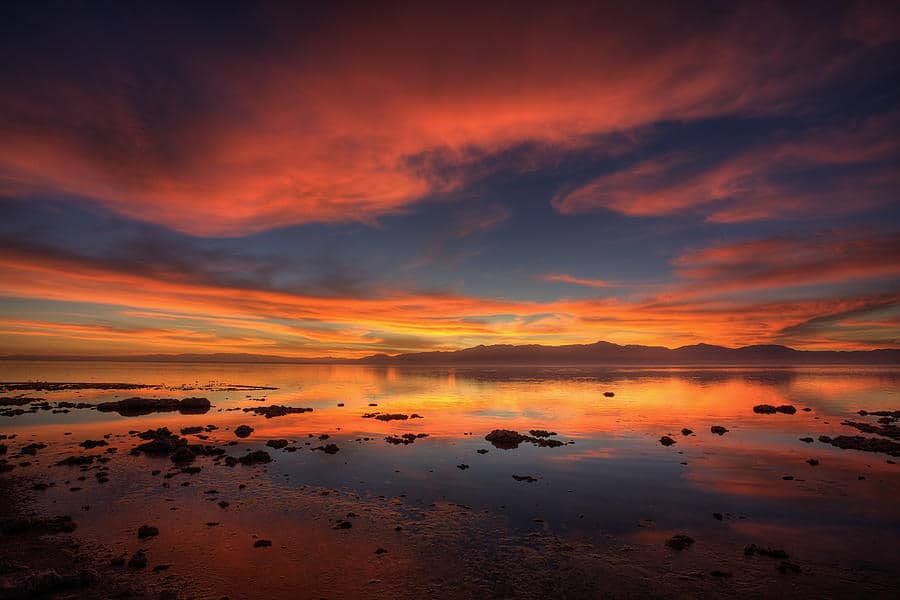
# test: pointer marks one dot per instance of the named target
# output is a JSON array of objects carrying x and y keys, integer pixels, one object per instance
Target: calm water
[{"x": 616, "y": 486}]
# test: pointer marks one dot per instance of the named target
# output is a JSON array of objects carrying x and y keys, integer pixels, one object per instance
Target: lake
[{"x": 444, "y": 515}]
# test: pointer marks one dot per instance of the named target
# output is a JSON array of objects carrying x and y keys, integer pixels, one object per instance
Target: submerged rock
[
  {"x": 138, "y": 560},
  {"x": 680, "y": 542},
  {"x": 255, "y": 457},
  {"x": 243, "y": 431},
  {"x": 134, "y": 407},
  {"x": 753, "y": 549},
  {"x": 89, "y": 444},
  {"x": 147, "y": 531},
  {"x": 270, "y": 412},
  {"x": 328, "y": 448}
]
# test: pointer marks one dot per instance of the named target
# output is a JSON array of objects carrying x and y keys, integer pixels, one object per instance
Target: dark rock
[
  {"x": 255, "y": 457},
  {"x": 191, "y": 430},
  {"x": 667, "y": 441},
  {"x": 764, "y": 409},
  {"x": 541, "y": 433},
  {"x": 718, "y": 430},
  {"x": 138, "y": 560},
  {"x": 328, "y": 448},
  {"x": 243, "y": 431},
  {"x": 482, "y": 451},
  {"x": 807, "y": 440},
  {"x": 262, "y": 544},
  {"x": 133, "y": 407},
  {"x": 89, "y": 444},
  {"x": 786, "y": 567},
  {"x": 686, "y": 431},
  {"x": 270, "y": 412},
  {"x": 72, "y": 461},
  {"x": 60, "y": 524},
  {"x": 609, "y": 394},
  {"x": 753, "y": 549},
  {"x": 786, "y": 409},
  {"x": 277, "y": 444},
  {"x": 680, "y": 542},
  {"x": 462, "y": 467},
  {"x": 146, "y": 531},
  {"x": 525, "y": 478},
  {"x": 183, "y": 455},
  {"x": 813, "y": 462},
  {"x": 391, "y": 417}
]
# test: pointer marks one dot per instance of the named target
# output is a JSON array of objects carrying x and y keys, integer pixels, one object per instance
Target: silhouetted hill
[
  {"x": 605, "y": 352},
  {"x": 536, "y": 354}
]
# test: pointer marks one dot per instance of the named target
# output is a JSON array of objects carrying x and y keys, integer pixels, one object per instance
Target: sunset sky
[{"x": 351, "y": 179}]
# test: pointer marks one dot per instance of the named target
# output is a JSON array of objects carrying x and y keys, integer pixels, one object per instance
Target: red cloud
[{"x": 310, "y": 126}]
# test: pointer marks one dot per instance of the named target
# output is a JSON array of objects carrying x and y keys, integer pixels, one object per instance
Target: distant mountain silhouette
[
  {"x": 605, "y": 352},
  {"x": 536, "y": 354}
]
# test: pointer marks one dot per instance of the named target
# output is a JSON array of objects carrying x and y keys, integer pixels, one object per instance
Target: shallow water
[{"x": 614, "y": 487}]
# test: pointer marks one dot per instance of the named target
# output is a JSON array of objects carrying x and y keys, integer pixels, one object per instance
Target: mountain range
[{"x": 573, "y": 354}]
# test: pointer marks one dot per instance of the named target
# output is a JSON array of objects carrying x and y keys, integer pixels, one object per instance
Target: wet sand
[{"x": 595, "y": 516}]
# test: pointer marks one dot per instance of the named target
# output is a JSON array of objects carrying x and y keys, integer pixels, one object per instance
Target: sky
[{"x": 346, "y": 179}]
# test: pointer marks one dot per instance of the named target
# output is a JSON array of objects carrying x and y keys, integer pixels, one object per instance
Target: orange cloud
[{"x": 167, "y": 314}]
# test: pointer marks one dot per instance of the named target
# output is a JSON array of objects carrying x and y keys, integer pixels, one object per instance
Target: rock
[
  {"x": 764, "y": 409},
  {"x": 191, "y": 430},
  {"x": 541, "y": 433},
  {"x": 31, "y": 449},
  {"x": 147, "y": 531},
  {"x": 138, "y": 560},
  {"x": 786, "y": 409},
  {"x": 380, "y": 551},
  {"x": 391, "y": 417},
  {"x": 134, "y": 407},
  {"x": 686, "y": 431},
  {"x": 328, "y": 448},
  {"x": 482, "y": 451},
  {"x": 462, "y": 467},
  {"x": 262, "y": 544},
  {"x": 718, "y": 516},
  {"x": 273, "y": 411},
  {"x": 813, "y": 462},
  {"x": 74, "y": 461},
  {"x": 60, "y": 524},
  {"x": 525, "y": 478},
  {"x": 277, "y": 444},
  {"x": 667, "y": 441},
  {"x": 255, "y": 457},
  {"x": 786, "y": 567},
  {"x": 718, "y": 430},
  {"x": 183, "y": 455},
  {"x": 609, "y": 394},
  {"x": 89, "y": 444},
  {"x": 806, "y": 440},
  {"x": 343, "y": 525},
  {"x": 720, "y": 574},
  {"x": 406, "y": 438},
  {"x": 753, "y": 549},
  {"x": 243, "y": 431},
  {"x": 680, "y": 542}
]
